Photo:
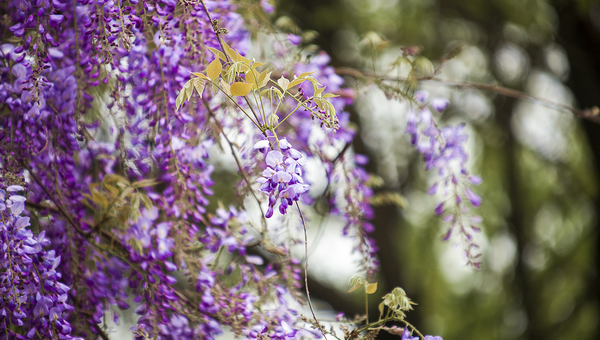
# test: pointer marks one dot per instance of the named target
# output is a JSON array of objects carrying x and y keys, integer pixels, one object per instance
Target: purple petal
[
  {"x": 274, "y": 158},
  {"x": 294, "y": 39},
  {"x": 439, "y": 209},
  {"x": 261, "y": 144},
  {"x": 257, "y": 260},
  {"x": 422, "y": 96},
  {"x": 448, "y": 234},
  {"x": 475, "y": 199},
  {"x": 433, "y": 189},
  {"x": 475, "y": 180},
  {"x": 440, "y": 104}
]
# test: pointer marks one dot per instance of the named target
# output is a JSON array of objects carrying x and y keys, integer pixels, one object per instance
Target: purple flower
[
  {"x": 443, "y": 150},
  {"x": 294, "y": 39},
  {"x": 406, "y": 335},
  {"x": 282, "y": 178}
]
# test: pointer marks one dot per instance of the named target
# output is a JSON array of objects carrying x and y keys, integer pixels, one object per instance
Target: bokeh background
[{"x": 539, "y": 278}]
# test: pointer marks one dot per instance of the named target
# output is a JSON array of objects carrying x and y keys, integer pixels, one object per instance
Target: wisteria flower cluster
[
  {"x": 111, "y": 114},
  {"x": 34, "y": 296},
  {"x": 282, "y": 179},
  {"x": 444, "y": 151}
]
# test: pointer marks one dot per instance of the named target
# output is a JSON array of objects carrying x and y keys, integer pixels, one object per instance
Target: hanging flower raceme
[
  {"x": 282, "y": 178},
  {"x": 444, "y": 150},
  {"x": 34, "y": 298}
]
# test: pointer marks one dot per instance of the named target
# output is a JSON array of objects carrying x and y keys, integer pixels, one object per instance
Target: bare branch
[{"x": 592, "y": 114}]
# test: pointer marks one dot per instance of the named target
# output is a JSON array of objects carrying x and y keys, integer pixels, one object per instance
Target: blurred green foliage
[{"x": 540, "y": 242}]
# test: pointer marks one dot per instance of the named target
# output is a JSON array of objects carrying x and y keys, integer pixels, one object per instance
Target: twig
[
  {"x": 306, "y": 272},
  {"x": 62, "y": 211},
  {"x": 37, "y": 206},
  {"x": 216, "y": 31},
  {"x": 592, "y": 114}
]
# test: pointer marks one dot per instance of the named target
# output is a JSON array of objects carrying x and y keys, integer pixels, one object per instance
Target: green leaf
[
  {"x": 240, "y": 89},
  {"x": 355, "y": 283}
]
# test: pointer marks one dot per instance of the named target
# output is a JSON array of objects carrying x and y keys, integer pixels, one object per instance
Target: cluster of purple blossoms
[
  {"x": 90, "y": 86},
  {"x": 282, "y": 178},
  {"x": 443, "y": 150},
  {"x": 407, "y": 335},
  {"x": 34, "y": 296}
]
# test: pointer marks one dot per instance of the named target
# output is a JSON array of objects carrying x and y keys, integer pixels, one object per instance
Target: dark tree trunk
[{"x": 581, "y": 40}]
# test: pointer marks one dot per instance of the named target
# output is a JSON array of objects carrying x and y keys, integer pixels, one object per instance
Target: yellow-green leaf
[
  {"x": 371, "y": 287},
  {"x": 355, "y": 283},
  {"x": 200, "y": 75},
  {"x": 214, "y": 69},
  {"x": 114, "y": 178},
  {"x": 218, "y": 53},
  {"x": 319, "y": 103},
  {"x": 230, "y": 52},
  {"x": 252, "y": 78},
  {"x": 284, "y": 83},
  {"x": 305, "y": 74},
  {"x": 319, "y": 91},
  {"x": 226, "y": 87},
  {"x": 145, "y": 183},
  {"x": 87, "y": 204},
  {"x": 99, "y": 199},
  {"x": 146, "y": 201},
  {"x": 296, "y": 82},
  {"x": 184, "y": 94},
  {"x": 198, "y": 85},
  {"x": 112, "y": 189},
  {"x": 127, "y": 191},
  {"x": 240, "y": 89},
  {"x": 264, "y": 78}
]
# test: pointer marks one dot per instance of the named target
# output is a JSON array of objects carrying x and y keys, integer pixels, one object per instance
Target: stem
[
  {"x": 286, "y": 117},
  {"x": 238, "y": 105},
  {"x": 306, "y": 271},
  {"x": 366, "y": 304},
  {"x": 414, "y": 328}
]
